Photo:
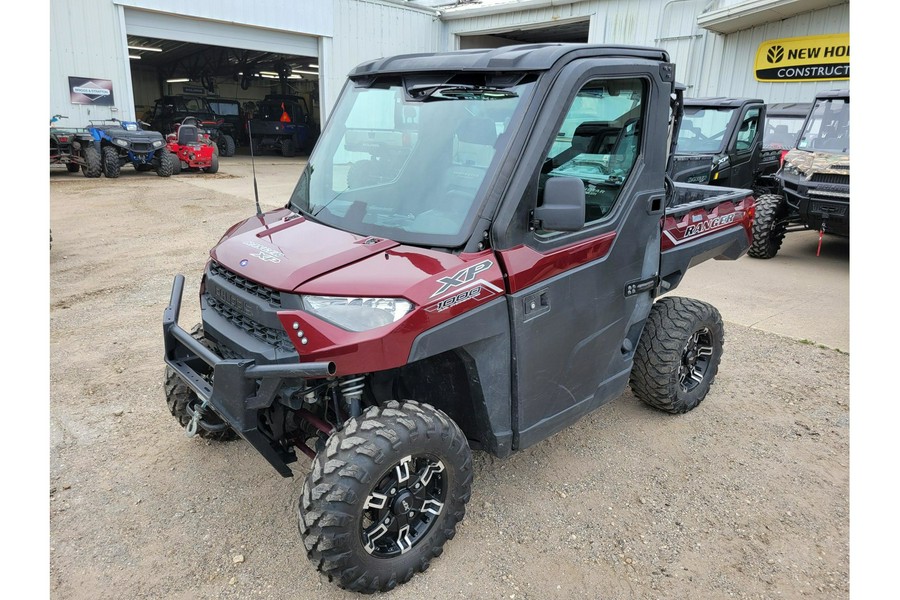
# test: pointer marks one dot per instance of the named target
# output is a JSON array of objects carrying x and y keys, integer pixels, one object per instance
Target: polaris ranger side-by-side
[
  {"x": 448, "y": 276},
  {"x": 813, "y": 184},
  {"x": 720, "y": 142}
]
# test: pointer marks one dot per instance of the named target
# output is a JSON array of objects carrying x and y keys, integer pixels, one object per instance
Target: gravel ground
[{"x": 745, "y": 497}]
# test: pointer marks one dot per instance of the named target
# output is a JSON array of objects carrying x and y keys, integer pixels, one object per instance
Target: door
[
  {"x": 745, "y": 149},
  {"x": 576, "y": 311}
]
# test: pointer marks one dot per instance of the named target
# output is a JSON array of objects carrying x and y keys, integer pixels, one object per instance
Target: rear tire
[
  {"x": 678, "y": 355},
  {"x": 111, "y": 165},
  {"x": 288, "y": 149},
  {"x": 214, "y": 164},
  {"x": 768, "y": 231},
  {"x": 228, "y": 146},
  {"x": 182, "y": 401},
  {"x": 385, "y": 495},
  {"x": 92, "y": 166}
]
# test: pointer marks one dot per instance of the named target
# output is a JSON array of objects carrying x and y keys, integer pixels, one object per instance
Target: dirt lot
[{"x": 745, "y": 497}]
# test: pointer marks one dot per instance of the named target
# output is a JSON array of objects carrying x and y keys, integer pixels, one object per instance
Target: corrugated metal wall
[
  {"x": 730, "y": 58},
  {"x": 708, "y": 63},
  {"x": 77, "y": 50},
  {"x": 365, "y": 30}
]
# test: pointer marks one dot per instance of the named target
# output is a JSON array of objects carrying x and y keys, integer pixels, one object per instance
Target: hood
[
  {"x": 283, "y": 250},
  {"x": 288, "y": 252},
  {"x": 809, "y": 163},
  {"x": 141, "y": 135}
]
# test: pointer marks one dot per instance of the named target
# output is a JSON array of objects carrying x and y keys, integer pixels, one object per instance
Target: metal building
[{"x": 149, "y": 48}]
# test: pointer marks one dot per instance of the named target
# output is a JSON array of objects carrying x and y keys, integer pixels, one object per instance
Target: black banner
[{"x": 805, "y": 72}]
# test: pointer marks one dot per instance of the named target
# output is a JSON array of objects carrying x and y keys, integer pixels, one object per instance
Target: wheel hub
[
  {"x": 695, "y": 359},
  {"x": 403, "y": 503}
]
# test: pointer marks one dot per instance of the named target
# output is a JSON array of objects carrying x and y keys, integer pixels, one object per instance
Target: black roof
[
  {"x": 524, "y": 57},
  {"x": 834, "y": 94},
  {"x": 788, "y": 109},
  {"x": 721, "y": 102}
]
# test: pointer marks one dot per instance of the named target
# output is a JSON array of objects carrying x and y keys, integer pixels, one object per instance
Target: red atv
[{"x": 193, "y": 147}]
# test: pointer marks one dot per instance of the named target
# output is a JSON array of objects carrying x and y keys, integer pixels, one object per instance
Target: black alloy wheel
[
  {"x": 403, "y": 506},
  {"x": 696, "y": 359}
]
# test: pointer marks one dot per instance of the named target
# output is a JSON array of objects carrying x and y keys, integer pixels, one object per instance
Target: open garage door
[
  {"x": 182, "y": 66},
  {"x": 574, "y": 31}
]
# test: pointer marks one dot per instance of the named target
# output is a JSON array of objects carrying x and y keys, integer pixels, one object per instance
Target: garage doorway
[{"x": 575, "y": 31}]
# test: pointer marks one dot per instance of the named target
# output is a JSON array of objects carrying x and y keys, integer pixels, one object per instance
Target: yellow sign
[{"x": 810, "y": 58}]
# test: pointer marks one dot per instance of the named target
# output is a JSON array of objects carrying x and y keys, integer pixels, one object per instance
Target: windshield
[
  {"x": 703, "y": 129},
  {"x": 407, "y": 164},
  {"x": 223, "y": 108},
  {"x": 782, "y": 132},
  {"x": 828, "y": 127}
]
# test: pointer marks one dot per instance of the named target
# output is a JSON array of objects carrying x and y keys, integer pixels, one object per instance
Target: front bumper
[{"x": 240, "y": 389}]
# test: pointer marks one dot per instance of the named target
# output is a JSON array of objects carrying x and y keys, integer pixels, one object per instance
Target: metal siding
[
  {"x": 312, "y": 17},
  {"x": 75, "y": 53},
  {"x": 366, "y": 30},
  {"x": 731, "y": 57}
]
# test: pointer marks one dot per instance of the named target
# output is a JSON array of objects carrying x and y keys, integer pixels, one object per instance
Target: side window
[
  {"x": 747, "y": 132},
  {"x": 599, "y": 143}
]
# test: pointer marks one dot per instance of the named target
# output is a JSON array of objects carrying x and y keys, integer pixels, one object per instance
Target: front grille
[
  {"x": 141, "y": 147},
  {"x": 831, "y": 178},
  {"x": 273, "y": 297},
  {"x": 273, "y": 337}
]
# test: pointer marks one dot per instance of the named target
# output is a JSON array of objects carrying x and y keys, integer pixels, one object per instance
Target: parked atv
[
  {"x": 813, "y": 185},
  {"x": 73, "y": 147},
  {"x": 192, "y": 148},
  {"x": 169, "y": 111},
  {"x": 124, "y": 142}
]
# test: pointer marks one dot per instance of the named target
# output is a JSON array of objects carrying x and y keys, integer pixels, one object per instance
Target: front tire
[
  {"x": 385, "y": 495},
  {"x": 214, "y": 164},
  {"x": 111, "y": 165},
  {"x": 768, "y": 231},
  {"x": 167, "y": 162},
  {"x": 678, "y": 355},
  {"x": 288, "y": 149},
  {"x": 228, "y": 146}
]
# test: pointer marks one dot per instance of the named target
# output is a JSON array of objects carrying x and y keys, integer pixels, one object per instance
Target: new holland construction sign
[{"x": 810, "y": 58}]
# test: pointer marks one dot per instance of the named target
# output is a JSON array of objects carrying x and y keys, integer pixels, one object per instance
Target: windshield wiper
[{"x": 449, "y": 91}]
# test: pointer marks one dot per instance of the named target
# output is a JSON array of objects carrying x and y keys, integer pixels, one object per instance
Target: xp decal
[
  {"x": 462, "y": 277},
  {"x": 265, "y": 254}
]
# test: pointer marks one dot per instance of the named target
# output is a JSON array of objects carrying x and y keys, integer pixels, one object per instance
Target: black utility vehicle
[
  {"x": 784, "y": 120},
  {"x": 813, "y": 185},
  {"x": 448, "y": 275},
  {"x": 169, "y": 112},
  {"x": 282, "y": 123},
  {"x": 721, "y": 143},
  {"x": 232, "y": 113}
]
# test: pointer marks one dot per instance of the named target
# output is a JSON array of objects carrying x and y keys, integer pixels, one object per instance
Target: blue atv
[{"x": 123, "y": 142}]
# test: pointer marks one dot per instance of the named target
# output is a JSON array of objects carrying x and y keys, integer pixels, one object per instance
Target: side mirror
[{"x": 563, "y": 207}]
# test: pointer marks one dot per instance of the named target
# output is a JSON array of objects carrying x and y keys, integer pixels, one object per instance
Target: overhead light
[
  {"x": 264, "y": 73},
  {"x": 295, "y": 77},
  {"x": 269, "y": 76},
  {"x": 183, "y": 80},
  {"x": 313, "y": 66},
  {"x": 304, "y": 72},
  {"x": 147, "y": 48},
  {"x": 134, "y": 57}
]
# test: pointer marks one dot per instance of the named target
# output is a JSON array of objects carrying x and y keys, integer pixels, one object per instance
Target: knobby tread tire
[
  {"x": 351, "y": 464},
  {"x": 93, "y": 166},
  {"x": 111, "y": 165},
  {"x": 229, "y": 145},
  {"x": 768, "y": 233},
  {"x": 288, "y": 149},
  {"x": 655, "y": 373},
  {"x": 179, "y": 396},
  {"x": 167, "y": 162}
]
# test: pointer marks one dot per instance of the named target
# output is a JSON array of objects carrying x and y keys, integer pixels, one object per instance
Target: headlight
[
  {"x": 357, "y": 314},
  {"x": 120, "y": 142},
  {"x": 157, "y": 143}
]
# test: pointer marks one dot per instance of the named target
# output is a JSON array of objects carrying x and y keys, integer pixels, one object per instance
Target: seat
[{"x": 188, "y": 135}]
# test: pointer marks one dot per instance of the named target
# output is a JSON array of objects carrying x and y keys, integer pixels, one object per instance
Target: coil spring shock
[{"x": 352, "y": 390}]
